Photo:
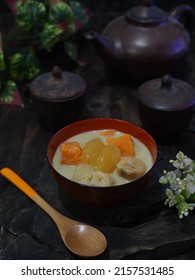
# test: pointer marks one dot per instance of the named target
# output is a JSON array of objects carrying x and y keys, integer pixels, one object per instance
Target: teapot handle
[{"x": 184, "y": 14}]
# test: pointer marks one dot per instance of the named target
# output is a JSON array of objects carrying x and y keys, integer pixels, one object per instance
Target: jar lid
[
  {"x": 58, "y": 85},
  {"x": 166, "y": 94},
  {"x": 146, "y": 14}
]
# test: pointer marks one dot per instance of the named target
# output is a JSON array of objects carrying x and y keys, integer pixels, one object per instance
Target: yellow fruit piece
[
  {"x": 91, "y": 151},
  {"x": 108, "y": 158}
]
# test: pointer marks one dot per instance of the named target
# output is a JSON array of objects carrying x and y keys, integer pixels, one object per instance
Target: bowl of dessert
[{"x": 101, "y": 162}]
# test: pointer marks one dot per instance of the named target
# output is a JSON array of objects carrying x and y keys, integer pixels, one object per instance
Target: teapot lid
[
  {"x": 146, "y": 14},
  {"x": 166, "y": 94},
  {"x": 57, "y": 85}
]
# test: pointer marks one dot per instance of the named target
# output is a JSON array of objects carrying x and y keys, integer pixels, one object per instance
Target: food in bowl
[
  {"x": 103, "y": 158},
  {"x": 76, "y": 193}
]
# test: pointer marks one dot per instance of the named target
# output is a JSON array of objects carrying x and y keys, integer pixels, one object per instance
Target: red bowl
[{"x": 100, "y": 197}]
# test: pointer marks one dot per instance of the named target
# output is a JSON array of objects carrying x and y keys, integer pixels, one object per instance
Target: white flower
[
  {"x": 181, "y": 190},
  {"x": 173, "y": 178},
  {"x": 182, "y": 162},
  {"x": 190, "y": 184}
]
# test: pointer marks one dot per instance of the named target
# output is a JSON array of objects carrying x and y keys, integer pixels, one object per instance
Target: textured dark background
[
  {"x": 120, "y": 5},
  {"x": 125, "y": 4}
]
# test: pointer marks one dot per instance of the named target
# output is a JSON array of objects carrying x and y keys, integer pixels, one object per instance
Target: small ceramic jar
[
  {"x": 165, "y": 105},
  {"x": 58, "y": 97}
]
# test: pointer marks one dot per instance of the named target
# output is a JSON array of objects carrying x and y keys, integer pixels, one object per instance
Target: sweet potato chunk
[
  {"x": 124, "y": 143},
  {"x": 71, "y": 153},
  {"x": 107, "y": 132}
]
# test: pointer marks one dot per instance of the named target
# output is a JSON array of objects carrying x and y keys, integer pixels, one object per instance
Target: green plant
[
  {"x": 40, "y": 25},
  {"x": 181, "y": 190}
]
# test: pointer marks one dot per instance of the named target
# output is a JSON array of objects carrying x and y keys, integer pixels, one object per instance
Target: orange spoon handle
[
  {"x": 32, "y": 194},
  {"x": 19, "y": 182}
]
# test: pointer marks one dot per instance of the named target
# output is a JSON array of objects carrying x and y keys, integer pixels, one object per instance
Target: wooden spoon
[{"x": 81, "y": 239}]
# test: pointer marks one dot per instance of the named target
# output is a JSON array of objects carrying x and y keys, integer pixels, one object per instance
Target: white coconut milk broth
[{"x": 141, "y": 152}]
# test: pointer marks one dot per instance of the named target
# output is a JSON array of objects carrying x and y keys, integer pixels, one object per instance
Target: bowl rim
[{"x": 92, "y": 120}]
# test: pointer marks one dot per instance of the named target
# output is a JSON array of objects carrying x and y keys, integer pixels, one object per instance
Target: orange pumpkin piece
[
  {"x": 107, "y": 132},
  {"x": 124, "y": 143},
  {"x": 71, "y": 153}
]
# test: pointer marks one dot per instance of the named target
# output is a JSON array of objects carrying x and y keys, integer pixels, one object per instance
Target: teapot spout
[{"x": 106, "y": 48}]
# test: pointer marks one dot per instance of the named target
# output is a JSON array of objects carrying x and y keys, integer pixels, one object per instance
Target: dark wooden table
[{"x": 141, "y": 229}]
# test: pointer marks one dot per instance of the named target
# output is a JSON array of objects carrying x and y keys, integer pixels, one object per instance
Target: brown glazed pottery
[
  {"x": 146, "y": 42},
  {"x": 100, "y": 197},
  {"x": 58, "y": 97},
  {"x": 165, "y": 105}
]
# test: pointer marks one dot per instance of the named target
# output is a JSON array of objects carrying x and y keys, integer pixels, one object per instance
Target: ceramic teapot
[{"x": 146, "y": 42}]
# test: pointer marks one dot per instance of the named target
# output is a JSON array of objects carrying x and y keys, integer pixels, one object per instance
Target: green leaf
[
  {"x": 79, "y": 12},
  {"x": 192, "y": 198},
  {"x": 50, "y": 35},
  {"x": 60, "y": 12},
  {"x": 30, "y": 14},
  {"x": 2, "y": 62},
  {"x": 70, "y": 30},
  {"x": 71, "y": 50},
  {"x": 7, "y": 91},
  {"x": 24, "y": 66}
]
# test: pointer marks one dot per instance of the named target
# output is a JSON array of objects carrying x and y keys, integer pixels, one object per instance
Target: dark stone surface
[{"x": 26, "y": 247}]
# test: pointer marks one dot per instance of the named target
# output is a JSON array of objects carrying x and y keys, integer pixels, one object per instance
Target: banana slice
[
  {"x": 88, "y": 175},
  {"x": 130, "y": 168}
]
